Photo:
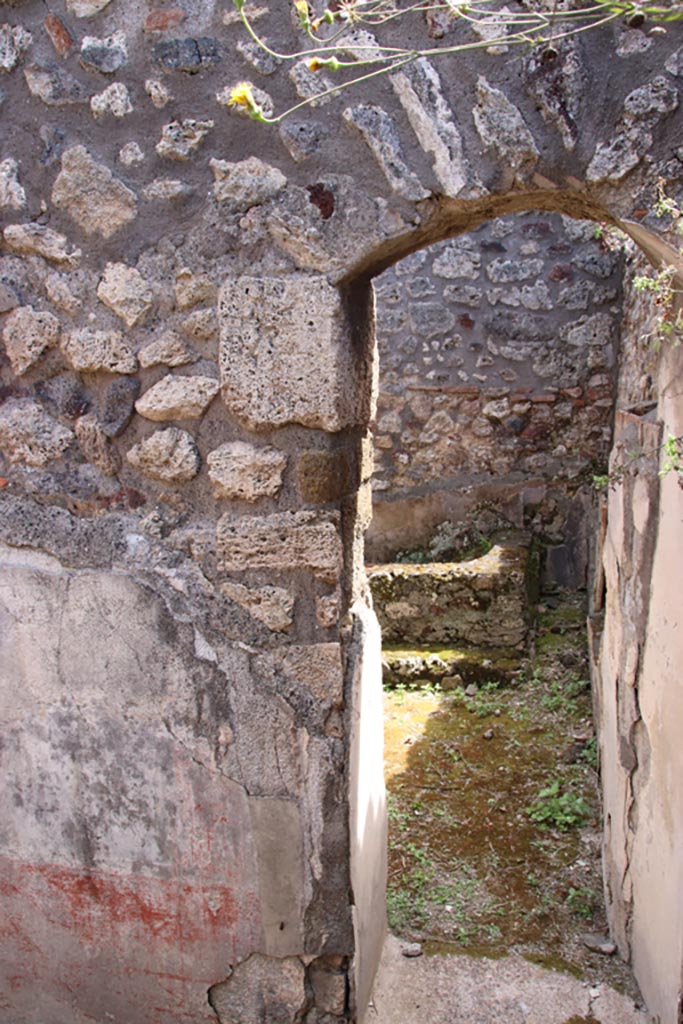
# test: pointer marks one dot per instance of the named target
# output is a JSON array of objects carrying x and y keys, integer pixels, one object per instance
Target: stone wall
[
  {"x": 498, "y": 353},
  {"x": 191, "y": 673}
]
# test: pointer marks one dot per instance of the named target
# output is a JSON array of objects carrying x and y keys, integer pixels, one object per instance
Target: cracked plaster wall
[{"x": 186, "y": 388}]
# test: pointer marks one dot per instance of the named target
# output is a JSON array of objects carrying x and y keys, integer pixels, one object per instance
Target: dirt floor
[{"x": 495, "y": 839}]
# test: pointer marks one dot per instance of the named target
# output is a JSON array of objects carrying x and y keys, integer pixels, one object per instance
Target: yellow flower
[
  {"x": 242, "y": 96},
  {"x": 301, "y": 8},
  {"x": 315, "y": 64}
]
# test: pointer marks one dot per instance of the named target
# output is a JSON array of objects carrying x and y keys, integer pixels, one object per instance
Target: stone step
[{"x": 448, "y": 667}]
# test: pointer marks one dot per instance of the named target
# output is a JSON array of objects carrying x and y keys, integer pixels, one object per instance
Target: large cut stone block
[
  {"x": 285, "y": 540},
  {"x": 285, "y": 356}
]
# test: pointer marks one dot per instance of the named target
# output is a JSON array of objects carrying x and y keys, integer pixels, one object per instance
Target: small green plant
[
  {"x": 560, "y": 810},
  {"x": 581, "y": 902}
]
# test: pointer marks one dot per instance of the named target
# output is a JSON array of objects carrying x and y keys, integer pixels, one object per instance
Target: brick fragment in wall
[
  {"x": 95, "y": 445},
  {"x": 124, "y": 290},
  {"x": 418, "y": 87},
  {"x": 501, "y": 126},
  {"x": 55, "y": 86},
  {"x": 246, "y": 472},
  {"x": 273, "y": 606},
  {"x": 288, "y": 541},
  {"x": 92, "y": 196},
  {"x": 177, "y": 398},
  {"x": 12, "y": 195},
  {"x": 29, "y": 435},
  {"x": 161, "y": 20},
  {"x": 38, "y": 240},
  {"x": 169, "y": 455},
  {"x": 27, "y": 334},
  {"x": 245, "y": 183},
  {"x": 89, "y": 350},
  {"x": 60, "y": 37},
  {"x": 379, "y": 131},
  {"x": 269, "y": 329}
]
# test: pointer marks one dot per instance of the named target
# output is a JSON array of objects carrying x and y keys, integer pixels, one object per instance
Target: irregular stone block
[
  {"x": 166, "y": 189},
  {"x": 54, "y": 86},
  {"x": 191, "y": 289},
  {"x": 91, "y": 195},
  {"x": 459, "y": 258},
  {"x": 29, "y": 435},
  {"x": 246, "y": 183},
  {"x": 501, "y": 126},
  {"x": 27, "y": 334},
  {"x": 381, "y": 135},
  {"x": 119, "y": 405},
  {"x": 202, "y": 325},
  {"x": 105, "y": 55},
  {"x": 124, "y": 290},
  {"x": 270, "y": 328},
  {"x": 190, "y": 55},
  {"x": 177, "y": 398},
  {"x": 60, "y": 294},
  {"x": 14, "y": 41},
  {"x": 66, "y": 394},
  {"x": 12, "y": 195},
  {"x": 86, "y": 8},
  {"x": 504, "y": 271},
  {"x": 418, "y": 87},
  {"x": 324, "y": 476},
  {"x": 170, "y": 455},
  {"x": 169, "y": 350},
  {"x": 244, "y": 471},
  {"x": 114, "y": 100},
  {"x": 273, "y": 606},
  {"x": 302, "y": 139},
  {"x": 283, "y": 541},
  {"x": 90, "y": 350},
  {"x": 179, "y": 140},
  {"x": 38, "y": 240},
  {"x": 261, "y": 990},
  {"x": 95, "y": 444},
  {"x": 131, "y": 154},
  {"x": 158, "y": 92}
]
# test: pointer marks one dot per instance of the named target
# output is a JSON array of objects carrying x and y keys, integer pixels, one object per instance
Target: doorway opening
[{"x": 498, "y": 369}]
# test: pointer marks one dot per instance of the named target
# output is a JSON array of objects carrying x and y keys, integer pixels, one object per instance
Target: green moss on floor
[{"x": 469, "y": 868}]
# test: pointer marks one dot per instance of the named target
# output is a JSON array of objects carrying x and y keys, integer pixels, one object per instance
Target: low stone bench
[{"x": 484, "y": 602}]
